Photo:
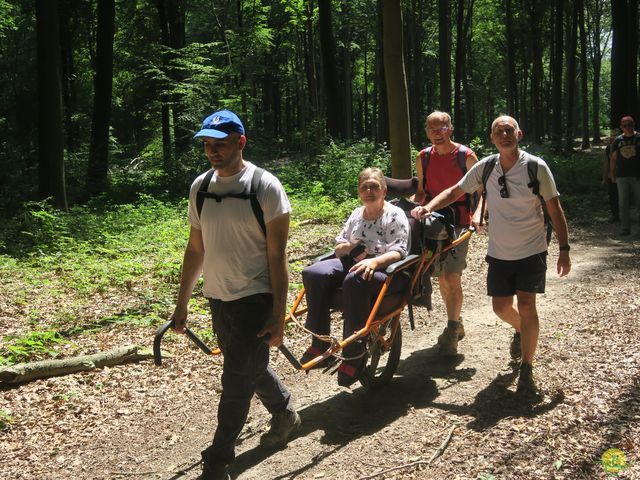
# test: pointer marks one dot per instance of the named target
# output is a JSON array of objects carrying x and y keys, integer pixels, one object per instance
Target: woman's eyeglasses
[
  {"x": 502, "y": 181},
  {"x": 374, "y": 187}
]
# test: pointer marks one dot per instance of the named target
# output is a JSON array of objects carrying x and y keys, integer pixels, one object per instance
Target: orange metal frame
[{"x": 373, "y": 324}]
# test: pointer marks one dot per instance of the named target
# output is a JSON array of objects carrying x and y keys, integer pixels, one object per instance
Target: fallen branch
[
  {"x": 393, "y": 469},
  {"x": 25, "y": 372},
  {"x": 442, "y": 447},
  {"x": 417, "y": 463}
]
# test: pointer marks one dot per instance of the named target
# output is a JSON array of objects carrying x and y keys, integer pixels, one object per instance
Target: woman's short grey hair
[{"x": 372, "y": 172}]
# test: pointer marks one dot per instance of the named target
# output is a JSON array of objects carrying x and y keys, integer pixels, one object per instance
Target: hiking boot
[
  {"x": 448, "y": 340},
  {"x": 212, "y": 470},
  {"x": 283, "y": 424},
  {"x": 625, "y": 232},
  {"x": 515, "y": 349},
  {"x": 526, "y": 388}
]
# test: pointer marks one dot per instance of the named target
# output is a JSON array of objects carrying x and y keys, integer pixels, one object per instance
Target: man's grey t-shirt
[
  {"x": 235, "y": 247},
  {"x": 516, "y": 223}
]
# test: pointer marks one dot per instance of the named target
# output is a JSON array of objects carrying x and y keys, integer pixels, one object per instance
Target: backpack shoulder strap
[
  {"x": 488, "y": 168},
  {"x": 486, "y": 173},
  {"x": 534, "y": 185},
  {"x": 532, "y": 169},
  {"x": 202, "y": 191},
  {"x": 425, "y": 154},
  {"x": 462, "y": 158},
  {"x": 253, "y": 197}
]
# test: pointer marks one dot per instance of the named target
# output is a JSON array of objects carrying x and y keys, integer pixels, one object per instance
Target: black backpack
[
  {"x": 534, "y": 185},
  {"x": 252, "y": 195}
]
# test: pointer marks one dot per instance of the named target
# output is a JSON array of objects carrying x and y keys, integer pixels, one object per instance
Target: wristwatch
[{"x": 564, "y": 248}]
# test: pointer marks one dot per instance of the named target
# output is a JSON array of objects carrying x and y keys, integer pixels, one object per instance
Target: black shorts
[{"x": 505, "y": 277}]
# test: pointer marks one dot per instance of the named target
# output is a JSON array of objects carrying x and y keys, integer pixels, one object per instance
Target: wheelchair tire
[{"x": 383, "y": 357}]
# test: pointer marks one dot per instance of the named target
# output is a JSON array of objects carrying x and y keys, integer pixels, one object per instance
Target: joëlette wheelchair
[{"x": 382, "y": 331}]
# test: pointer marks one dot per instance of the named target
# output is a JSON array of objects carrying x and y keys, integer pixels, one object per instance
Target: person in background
[
  {"x": 437, "y": 168},
  {"x": 517, "y": 250},
  {"x": 245, "y": 279},
  {"x": 625, "y": 170}
]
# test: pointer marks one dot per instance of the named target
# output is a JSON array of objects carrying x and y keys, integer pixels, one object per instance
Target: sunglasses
[
  {"x": 502, "y": 181},
  {"x": 626, "y": 124}
]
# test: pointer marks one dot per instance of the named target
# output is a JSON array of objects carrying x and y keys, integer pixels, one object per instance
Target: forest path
[{"x": 140, "y": 421}]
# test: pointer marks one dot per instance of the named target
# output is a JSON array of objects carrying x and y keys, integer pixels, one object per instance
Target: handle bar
[{"x": 157, "y": 354}]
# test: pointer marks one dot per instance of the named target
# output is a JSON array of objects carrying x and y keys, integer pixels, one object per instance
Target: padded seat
[{"x": 390, "y": 302}]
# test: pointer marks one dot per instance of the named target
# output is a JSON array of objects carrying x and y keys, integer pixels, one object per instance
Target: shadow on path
[{"x": 351, "y": 415}]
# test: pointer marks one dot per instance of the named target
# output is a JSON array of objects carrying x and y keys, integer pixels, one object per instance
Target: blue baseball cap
[{"x": 220, "y": 124}]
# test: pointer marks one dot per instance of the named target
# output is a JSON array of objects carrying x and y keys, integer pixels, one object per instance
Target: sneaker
[
  {"x": 526, "y": 388},
  {"x": 283, "y": 424},
  {"x": 212, "y": 470},
  {"x": 448, "y": 340},
  {"x": 515, "y": 349}
]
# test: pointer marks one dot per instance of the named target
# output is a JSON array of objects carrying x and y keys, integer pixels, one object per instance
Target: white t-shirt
[
  {"x": 516, "y": 223},
  {"x": 388, "y": 233},
  {"x": 235, "y": 247}
]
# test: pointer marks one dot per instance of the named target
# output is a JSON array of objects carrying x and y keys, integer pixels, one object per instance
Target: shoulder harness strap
[
  {"x": 486, "y": 172},
  {"x": 252, "y": 196}
]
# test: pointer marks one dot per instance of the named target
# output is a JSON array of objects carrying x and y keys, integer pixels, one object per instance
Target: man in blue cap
[{"x": 239, "y": 217}]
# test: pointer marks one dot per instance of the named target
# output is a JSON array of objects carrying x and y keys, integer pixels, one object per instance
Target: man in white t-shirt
[
  {"x": 240, "y": 248},
  {"x": 517, "y": 240}
]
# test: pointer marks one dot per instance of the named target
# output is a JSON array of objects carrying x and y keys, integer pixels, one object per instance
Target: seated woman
[{"x": 381, "y": 231}]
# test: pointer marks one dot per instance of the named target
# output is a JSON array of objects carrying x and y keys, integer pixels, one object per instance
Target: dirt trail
[{"x": 139, "y": 421}]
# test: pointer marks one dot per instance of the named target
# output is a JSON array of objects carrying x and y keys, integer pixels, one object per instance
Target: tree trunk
[
  {"x": 335, "y": 117},
  {"x": 50, "y": 132},
  {"x": 458, "y": 115},
  {"x": 182, "y": 132},
  {"x": 624, "y": 61},
  {"x": 556, "y": 68},
  {"x": 397, "y": 89},
  {"x": 535, "y": 21},
  {"x": 102, "y": 81},
  {"x": 444, "y": 53},
  {"x": 571, "y": 75},
  {"x": 512, "y": 87},
  {"x": 595, "y": 11},
  {"x": 584, "y": 87},
  {"x": 381, "y": 118},
  {"x": 347, "y": 73},
  {"x": 165, "y": 111}
]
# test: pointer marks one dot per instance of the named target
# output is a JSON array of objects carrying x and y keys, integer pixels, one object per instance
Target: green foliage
[
  {"x": 35, "y": 344},
  {"x": 5, "y": 420},
  {"x": 334, "y": 172}
]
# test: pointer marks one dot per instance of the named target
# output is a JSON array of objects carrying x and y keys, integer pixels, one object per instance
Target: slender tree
[
  {"x": 397, "y": 89},
  {"x": 584, "y": 76},
  {"x": 50, "y": 133},
  {"x": 334, "y": 108},
  {"x": 624, "y": 61},
  {"x": 598, "y": 15},
  {"x": 556, "y": 75},
  {"x": 512, "y": 88},
  {"x": 571, "y": 74},
  {"x": 444, "y": 53},
  {"x": 102, "y": 81}
]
